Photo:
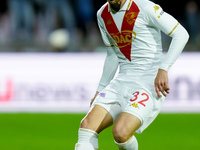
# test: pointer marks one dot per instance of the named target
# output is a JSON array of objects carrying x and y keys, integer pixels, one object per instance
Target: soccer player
[{"x": 131, "y": 101}]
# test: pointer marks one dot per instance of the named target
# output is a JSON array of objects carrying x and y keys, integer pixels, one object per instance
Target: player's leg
[
  {"x": 123, "y": 131},
  {"x": 95, "y": 121}
]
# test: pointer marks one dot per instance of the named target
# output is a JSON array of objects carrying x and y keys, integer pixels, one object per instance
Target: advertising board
[{"x": 66, "y": 82}]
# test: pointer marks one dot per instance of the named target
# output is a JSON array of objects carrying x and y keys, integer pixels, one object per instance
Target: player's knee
[
  {"x": 120, "y": 134},
  {"x": 84, "y": 123}
]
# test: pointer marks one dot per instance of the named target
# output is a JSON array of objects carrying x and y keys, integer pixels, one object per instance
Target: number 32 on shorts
[{"x": 139, "y": 98}]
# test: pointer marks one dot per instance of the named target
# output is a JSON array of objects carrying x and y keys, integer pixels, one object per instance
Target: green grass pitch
[{"x": 59, "y": 132}]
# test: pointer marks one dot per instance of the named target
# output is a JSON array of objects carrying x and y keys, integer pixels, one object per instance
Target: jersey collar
[{"x": 126, "y": 7}]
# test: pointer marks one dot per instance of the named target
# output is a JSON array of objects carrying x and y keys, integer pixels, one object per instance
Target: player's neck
[{"x": 117, "y": 6}]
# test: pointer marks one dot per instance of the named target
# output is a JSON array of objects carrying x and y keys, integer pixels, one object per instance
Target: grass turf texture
[{"x": 59, "y": 132}]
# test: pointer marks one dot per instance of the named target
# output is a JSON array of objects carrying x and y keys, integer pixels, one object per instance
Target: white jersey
[{"x": 133, "y": 39}]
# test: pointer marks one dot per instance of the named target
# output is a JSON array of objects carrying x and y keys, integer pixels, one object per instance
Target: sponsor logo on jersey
[
  {"x": 161, "y": 13},
  {"x": 156, "y": 8},
  {"x": 124, "y": 38}
]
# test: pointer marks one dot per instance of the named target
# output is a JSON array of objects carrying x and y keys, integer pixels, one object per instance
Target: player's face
[{"x": 112, "y": 2}]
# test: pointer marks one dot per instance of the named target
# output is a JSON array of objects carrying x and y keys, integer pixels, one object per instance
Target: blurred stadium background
[{"x": 51, "y": 59}]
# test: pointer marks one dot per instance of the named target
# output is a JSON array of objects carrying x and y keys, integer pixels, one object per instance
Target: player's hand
[
  {"x": 161, "y": 83},
  {"x": 92, "y": 100}
]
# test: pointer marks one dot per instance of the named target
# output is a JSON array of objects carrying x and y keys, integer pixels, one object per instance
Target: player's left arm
[
  {"x": 170, "y": 26},
  {"x": 179, "y": 39}
]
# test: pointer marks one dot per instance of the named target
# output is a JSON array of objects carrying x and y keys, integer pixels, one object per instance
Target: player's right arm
[
  {"x": 111, "y": 61},
  {"x": 109, "y": 70}
]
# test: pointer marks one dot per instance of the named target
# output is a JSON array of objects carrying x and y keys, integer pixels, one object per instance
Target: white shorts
[{"x": 123, "y": 96}]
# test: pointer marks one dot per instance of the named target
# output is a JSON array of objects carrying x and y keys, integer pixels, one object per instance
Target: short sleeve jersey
[{"x": 134, "y": 33}]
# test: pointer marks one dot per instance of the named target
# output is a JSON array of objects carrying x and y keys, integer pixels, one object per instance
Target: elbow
[
  {"x": 182, "y": 35},
  {"x": 187, "y": 36}
]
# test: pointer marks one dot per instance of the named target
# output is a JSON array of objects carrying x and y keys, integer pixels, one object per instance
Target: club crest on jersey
[
  {"x": 130, "y": 17},
  {"x": 124, "y": 38}
]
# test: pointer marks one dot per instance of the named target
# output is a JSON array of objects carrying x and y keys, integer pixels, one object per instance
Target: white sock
[
  {"x": 87, "y": 140},
  {"x": 131, "y": 144}
]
